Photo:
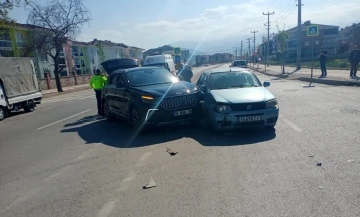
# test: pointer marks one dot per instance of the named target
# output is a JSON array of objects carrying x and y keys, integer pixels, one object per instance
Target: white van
[{"x": 164, "y": 60}]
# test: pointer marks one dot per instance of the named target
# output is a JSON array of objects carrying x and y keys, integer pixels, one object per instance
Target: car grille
[
  {"x": 179, "y": 102},
  {"x": 248, "y": 106}
]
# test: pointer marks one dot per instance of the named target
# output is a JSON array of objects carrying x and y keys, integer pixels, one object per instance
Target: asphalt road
[{"x": 62, "y": 160}]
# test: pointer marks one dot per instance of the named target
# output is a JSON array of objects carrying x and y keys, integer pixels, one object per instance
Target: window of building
[
  {"x": 19, "y": 37},
  {"x": 5, "y": 40},
  {"x": 307, "y": 43},
  {"x": 332, "y": 31}
]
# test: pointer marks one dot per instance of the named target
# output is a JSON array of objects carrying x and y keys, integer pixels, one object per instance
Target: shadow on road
[{"x": 119, "y": 134}]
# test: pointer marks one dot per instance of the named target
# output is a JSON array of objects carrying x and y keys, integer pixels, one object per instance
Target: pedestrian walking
[
  {"x": 322, "y": 59},
  {"x": 97, "y": 83},
  {"x": 354, "y": 60}
]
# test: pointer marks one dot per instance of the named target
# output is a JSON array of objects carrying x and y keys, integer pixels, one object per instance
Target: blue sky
[{"x": 153, "y": 23}]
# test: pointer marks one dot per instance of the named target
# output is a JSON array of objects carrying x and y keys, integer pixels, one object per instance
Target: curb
[
  {"x": 313, "y": 80},
  {"x": 47, "y": 95}
]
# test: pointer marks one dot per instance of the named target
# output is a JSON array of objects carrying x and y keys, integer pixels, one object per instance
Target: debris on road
[
  {"x": 350, "y": 160},
  {"x": 172, "y": 153},
  {"x": 151, "y": 184},
  {"x": 319, "y": 164},
  {"x": 311, "y": 155},
  {"x": 321, "y": 187}
]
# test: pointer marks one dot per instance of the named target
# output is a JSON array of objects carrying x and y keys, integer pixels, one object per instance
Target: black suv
[{"x": 150, "y": 96}]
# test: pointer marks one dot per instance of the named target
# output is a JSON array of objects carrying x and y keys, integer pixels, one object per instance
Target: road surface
[{"x": 62, "y": 160}]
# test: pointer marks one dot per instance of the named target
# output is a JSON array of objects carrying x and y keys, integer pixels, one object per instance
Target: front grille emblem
[{"x": 248, "y": 107}]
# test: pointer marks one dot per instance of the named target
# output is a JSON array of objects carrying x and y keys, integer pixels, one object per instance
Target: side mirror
[
  {"x": 203, "y": 88},
  {"x": 266, "y": 84}
]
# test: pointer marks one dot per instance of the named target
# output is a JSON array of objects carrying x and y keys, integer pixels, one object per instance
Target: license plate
[
  {"x": 183, "y": 112},
  {"x": 249, "y": 119}
]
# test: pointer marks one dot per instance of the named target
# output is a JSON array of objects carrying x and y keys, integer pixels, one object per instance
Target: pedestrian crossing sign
[{"x": 313, "y": 30}]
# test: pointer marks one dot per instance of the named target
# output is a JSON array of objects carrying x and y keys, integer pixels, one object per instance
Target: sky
[{"x": 153, "y": 23}]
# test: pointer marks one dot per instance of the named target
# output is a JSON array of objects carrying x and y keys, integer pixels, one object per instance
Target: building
[
  {"x": 327, "y": 38},
  {"x": 348, "y": 38},
  {"x": 202, "y": 60}
]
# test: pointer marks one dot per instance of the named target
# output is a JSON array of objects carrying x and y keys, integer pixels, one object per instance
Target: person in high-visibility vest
[{"x": 98, "y": 82}]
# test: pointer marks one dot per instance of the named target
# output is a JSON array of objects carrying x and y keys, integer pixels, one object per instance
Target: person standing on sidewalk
[
  {"x": 97, "y": 83},
  {"x": 354, "y": 60},
  {"x": 322, "y": 58}
]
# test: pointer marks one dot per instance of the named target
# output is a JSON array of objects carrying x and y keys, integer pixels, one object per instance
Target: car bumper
[
  {"x": 159, "y": 116},
  {"x": 230, "y": 121}
]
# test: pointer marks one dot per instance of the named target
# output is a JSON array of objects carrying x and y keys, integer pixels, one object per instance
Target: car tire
[
  {"x": 138, "y": 120},
  {"x": 2, "y": 113},
  {"x": 107, "y": 112},
  {"x": 29, "y": 106}
]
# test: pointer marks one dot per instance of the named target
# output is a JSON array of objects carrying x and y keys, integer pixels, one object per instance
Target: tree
[
  {"x": 281, "y": 39},
  {"x": 53, "y": 25}
]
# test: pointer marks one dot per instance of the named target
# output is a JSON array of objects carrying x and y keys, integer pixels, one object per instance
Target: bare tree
[
  {"x": 281, "y": 39},
  {"x": 5, "y": 7},
  {"x": 54, "y": 24}
]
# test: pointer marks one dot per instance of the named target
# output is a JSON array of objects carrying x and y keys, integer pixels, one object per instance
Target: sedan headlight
[
  {"x": 272, "y": 104},
  {"x": 223, "y": 108}
]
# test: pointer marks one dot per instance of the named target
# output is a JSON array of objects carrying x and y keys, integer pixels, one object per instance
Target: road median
[{"x": 335, "y": 77}]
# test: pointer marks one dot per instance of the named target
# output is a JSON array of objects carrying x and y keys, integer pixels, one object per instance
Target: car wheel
[
  {"x": 2, "y": 113},
  {"x": 29, "y": 106},
  {"x": 107, "y": 112}
]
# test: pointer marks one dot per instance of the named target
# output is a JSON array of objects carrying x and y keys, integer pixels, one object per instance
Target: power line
[{"x": 254, "y": 39}]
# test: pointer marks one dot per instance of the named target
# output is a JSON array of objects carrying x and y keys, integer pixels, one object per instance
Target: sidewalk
[
  {"x": 52, "y": 92},
  {"x": 334, "y": 77}
]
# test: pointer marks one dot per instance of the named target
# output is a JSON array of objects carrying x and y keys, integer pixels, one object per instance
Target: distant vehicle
[
  {"x": 119, "y": 63},
  {"x": 19, "y": 87},
  {"x": 164, "y": 60},
  {"x": 237, "y": 99},
  {"x": 150, "y": 96},
  {"x": 239, "y": 63}
]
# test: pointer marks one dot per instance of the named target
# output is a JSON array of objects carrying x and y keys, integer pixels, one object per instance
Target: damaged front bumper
[{"x": 243, "y": 119}]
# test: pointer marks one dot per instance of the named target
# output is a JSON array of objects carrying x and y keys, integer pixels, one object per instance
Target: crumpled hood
[
  {"x": 175, "y": 89},
  {"x": 242, "y": 95}
]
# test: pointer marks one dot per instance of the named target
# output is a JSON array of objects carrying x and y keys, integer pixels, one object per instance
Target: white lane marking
[
  {"x": 68, "y": 102},
  {"x": 49, "y": 108},
  {"x": 143, "y": 158},
  {"x": 58, "y": 173},
  {"x": 56, "y": 122},
  {"x": 22, "y": 199},
  {"x": 86, "y": 97},
  {"x": 107, "y": 209},
  {"x": 77, "y": 97},
  {"x": 56, "y": 100},
  {"x": 126, "y": 181},
  {"x": 86, "y": 154},
  {"x": 290, "y": 124}
]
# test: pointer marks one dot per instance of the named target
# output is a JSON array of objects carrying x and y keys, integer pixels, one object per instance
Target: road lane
[{"x": 86, "y": 166}]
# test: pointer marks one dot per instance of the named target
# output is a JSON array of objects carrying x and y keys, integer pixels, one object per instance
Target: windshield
[
  {"x": 227, "y": 80},
  {"x": 145, "y": 77},
  {"x": 239, "y": 63}
]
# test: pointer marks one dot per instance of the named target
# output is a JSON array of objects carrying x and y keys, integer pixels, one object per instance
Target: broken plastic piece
[
  {"x": 350, "y": 160},
  {"x": 172, "y": 153},
  {"x": 319, "y": 164},
  {"x": 151, "y": 184}
]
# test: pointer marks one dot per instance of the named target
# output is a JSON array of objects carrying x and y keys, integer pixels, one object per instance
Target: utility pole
[
  {"x": 254, "y": 39},
  {"x": 298, "y": 59},
  {"x": 241, "y": 49},
  {"x": 248, "y": 41},
  {"x": 236, "y": 52},
  {"x": 268, "y": 38}
]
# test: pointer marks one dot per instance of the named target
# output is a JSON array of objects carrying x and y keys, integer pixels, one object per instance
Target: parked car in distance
[
  {"x": 149, "y": 97},
  {"x": 237, "y": 99},
  {"x": 119, "y": 63},
  {"x": 239, "y": 63}
]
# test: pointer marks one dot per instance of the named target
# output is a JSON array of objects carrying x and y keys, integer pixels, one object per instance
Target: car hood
[
  {"x": 174, "y": 89},
  {"x": 242, "y": 95}
]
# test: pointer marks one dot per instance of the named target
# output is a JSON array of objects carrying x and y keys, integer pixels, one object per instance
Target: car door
[
  {"x": 109, "y": 92},
  {"x": 122, "y": 95}
]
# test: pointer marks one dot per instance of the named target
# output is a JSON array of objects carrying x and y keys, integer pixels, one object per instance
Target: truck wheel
[
  {"x": 29, "y": 106},
  {"x": 2, "y": 113}
]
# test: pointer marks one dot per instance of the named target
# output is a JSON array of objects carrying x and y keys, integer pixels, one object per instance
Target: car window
[
  {"x": 145, "y": 77},
  {"x": 239, "y": 63},
  {"x": 227, "y": 80},
  {"x": 120, "y": 78}
]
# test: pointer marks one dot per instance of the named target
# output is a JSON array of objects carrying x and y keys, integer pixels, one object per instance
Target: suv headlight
[
  {"x": 147, "y": 99},
  {"x": 272, "y": 104},
  {"x": 222, "y": 108}
]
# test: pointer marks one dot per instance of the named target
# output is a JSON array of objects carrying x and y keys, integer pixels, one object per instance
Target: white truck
[{"x": 19, "y": 87}]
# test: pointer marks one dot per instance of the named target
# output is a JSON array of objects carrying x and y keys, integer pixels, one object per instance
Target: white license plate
[
  {"x": 249, "y": 119},
  {"x": 183, "y": 112}
]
